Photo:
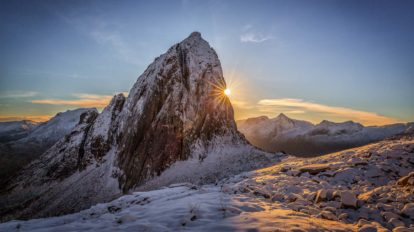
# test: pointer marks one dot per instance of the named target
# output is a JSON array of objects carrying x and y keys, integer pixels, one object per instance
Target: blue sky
[{"x": 313, "y": 60}]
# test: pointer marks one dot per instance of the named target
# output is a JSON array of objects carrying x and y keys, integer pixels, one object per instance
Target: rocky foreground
[{"x": 370, "y": 188}]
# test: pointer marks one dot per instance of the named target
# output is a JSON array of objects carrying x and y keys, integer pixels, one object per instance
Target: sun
[{"x": 227, "y": 92}]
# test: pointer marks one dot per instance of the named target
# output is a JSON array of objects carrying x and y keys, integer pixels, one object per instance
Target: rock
[
  {"x": 343, "y": 216},
  {"x": 278, "y": 197},
  {"x": 396, "y": 223},
  {"x": 328, "y": 215},
  {"x": 311, "y": 197},
  {"x": 349, "y": 199},
  {"x": 384, "y": 207},
  {"x": 291, "y": 197},
  {"x": 284, "y": 168},
  {"x": 330, "y": 209},
  {"x": 313, "y": 210},
  {"x": 362, "y": 222},
  {"x": 408, "y": 210},
  {"x": 368, "y": 228},
  {"x": 389, "y": 215},
  {"x": 314, "y": 169},
  {"x": 406, "y": 180},
  {"x": 403, "y": 229},
  {"x": 321, "y": 195},
  {"x": 259, "y": 192},
  {"x": 293, "y": 173}
]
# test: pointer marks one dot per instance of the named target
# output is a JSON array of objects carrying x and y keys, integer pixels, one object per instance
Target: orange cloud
[
  {"x": 35, "y": 118},
  {"x": 367, "y": 118},
  {"x": 84, "y": 100}
]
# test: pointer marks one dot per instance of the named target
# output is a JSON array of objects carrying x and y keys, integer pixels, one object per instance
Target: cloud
[
  {"x": 254, "y": 38},
  {"x": 367, "y": 118},
  {"x": 18, "y": 94},
  {"x": 83, "y": 100},
  {"x": 35, "y": 118}
]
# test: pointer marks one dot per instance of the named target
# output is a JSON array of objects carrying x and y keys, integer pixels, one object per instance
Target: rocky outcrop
[
  {"x": 34, "y": 141},
  {"x": 174, "y": 110},
  {"x": 176, "y": 125}
]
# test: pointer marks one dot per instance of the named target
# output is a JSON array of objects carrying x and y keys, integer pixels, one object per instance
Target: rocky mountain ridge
[
  {"x": 25, "y": 141},
  {"x": 303, "y": 138}
]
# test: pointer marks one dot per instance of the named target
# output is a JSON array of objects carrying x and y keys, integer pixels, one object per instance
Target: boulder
[
  {"x": 396, "y": 223},
  {"x": 406, "y": 180},
  {"x": 408, "y": 210},
  {"x": 328, "y": 215},
  {"x": 403, "y": 229},
  {"x": 368, "y": 228},
  {"x": 349, "y": 199}
]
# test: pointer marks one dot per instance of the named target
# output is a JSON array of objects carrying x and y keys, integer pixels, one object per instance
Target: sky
[{"x": 310, "y": 59}]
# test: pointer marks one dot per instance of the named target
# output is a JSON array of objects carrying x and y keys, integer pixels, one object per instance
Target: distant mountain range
[
  {"x": 303, "y": 138},
  {"x": 23, "y": 141}
]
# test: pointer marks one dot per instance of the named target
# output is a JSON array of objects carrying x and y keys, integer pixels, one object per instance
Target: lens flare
[{"x": 227, "y": 92}]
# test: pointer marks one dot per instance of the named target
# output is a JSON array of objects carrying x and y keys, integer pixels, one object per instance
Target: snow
[
  {"x": 274, "y": 198},
  {"x": 7, "y": 127},
  {"x": 57, "y": 126},
  {"x": 303, "y": 138}
]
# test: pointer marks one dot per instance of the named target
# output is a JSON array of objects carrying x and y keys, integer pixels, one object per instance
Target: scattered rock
[
  {"x": 343, "y": 216},
  {"x": 330, "y": 209},
  {"x": 368, "y": 228},
  {"x": 284, "y": 168},
  {"x": 406, "y": 180},
  {"x": 403, "y": 229},
  {"x": 396, "y": 223},
  {"x": 362, "y": 222},
  {"x": 291, "y": 197},
  {"x": 328, "y": 215},
  {"x": 278, "y": 197},
  {"x": 408, "y": 210},
  {"x": 261, "y": 193},
  {"x": 349, "y": 199},
  {"x": 389, "y": 215},
  {"x": 321, "y": 195},
  {"x": 314, "y": 169}
]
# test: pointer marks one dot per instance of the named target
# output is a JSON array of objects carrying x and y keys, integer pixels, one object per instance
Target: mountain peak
[
  {"x": 282, "y": 116},
  {"x": 195, "y": 34}
]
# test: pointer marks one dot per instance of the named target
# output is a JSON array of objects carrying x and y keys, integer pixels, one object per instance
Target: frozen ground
[{"x": 370, "y": 188}]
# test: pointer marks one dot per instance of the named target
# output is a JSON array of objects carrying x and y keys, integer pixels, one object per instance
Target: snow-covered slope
[
  {"x": 56, "y": 127},
  {"x": 370, "y": 188},
  {"x": 176, "y": 124},
  {"x": 34, "y": 139},
  {"x": 305, "y": 139},
  {"x": 10, "y": 131}
]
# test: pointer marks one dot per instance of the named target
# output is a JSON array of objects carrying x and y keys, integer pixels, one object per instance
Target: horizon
[{"x": 337, "y": 61}]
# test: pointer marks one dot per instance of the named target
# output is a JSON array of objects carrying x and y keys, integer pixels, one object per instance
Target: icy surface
[{"x": 369, "y": 188}]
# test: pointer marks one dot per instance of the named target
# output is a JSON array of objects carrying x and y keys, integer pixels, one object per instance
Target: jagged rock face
[
  {"x": 33, "y": 141},
  {"x": 177, "y": 102},
  {"x": 176, "y": 112}
]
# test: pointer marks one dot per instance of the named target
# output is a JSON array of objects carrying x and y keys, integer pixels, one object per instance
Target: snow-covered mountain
[
  {"x": 27, "y": 140},
  {"x": 369, "y": 188},
  {"x": 15, "y": 130},
  {"x": 176, "y": 125},
  {"x": 305, "y": 139}
]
